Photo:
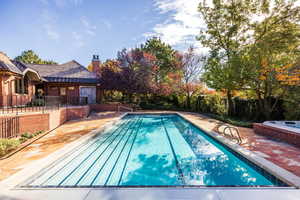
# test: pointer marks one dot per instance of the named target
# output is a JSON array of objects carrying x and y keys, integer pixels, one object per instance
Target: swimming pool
[{"x": 152, "y": 150}]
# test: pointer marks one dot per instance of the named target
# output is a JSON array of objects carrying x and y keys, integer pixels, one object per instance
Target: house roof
[
  {"x": 71, "y": 72},
  {"x": 7, "y": 65}
]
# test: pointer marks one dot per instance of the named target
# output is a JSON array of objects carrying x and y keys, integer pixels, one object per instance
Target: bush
[
  {"x": 7, "y": 145},
  {"x": 38, "y": 102},
  {"x": 26, "y": 136},
  {"x": 232, "y": 121},
  {"x": 292, "y": 105},
  {"x": 211, "y": 104}
]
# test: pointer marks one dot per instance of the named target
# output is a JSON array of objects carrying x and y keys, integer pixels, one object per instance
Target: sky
[{"x": 64, "y": 30}]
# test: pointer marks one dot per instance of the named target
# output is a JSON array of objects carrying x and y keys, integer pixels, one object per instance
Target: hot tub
[
  {"x": 293, "y": 126},
  {"x": 285, "y": 131}
]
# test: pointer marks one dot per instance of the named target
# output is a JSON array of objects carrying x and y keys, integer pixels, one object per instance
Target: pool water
[{"x": 152, "y": 150}]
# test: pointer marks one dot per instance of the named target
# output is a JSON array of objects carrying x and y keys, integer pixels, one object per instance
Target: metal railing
[
  {"x": 230, "y": 132},
  {"x": 20, "y": 104},
  {"x": 9, "y": 127}
]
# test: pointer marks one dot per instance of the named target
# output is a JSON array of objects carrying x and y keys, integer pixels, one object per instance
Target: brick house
[{"x": 20, "y": 82}]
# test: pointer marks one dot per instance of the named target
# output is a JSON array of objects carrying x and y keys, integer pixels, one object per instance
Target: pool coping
[{"x": 33, "y": 169}]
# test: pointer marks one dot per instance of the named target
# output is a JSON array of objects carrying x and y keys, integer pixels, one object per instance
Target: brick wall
[
  {"x": 77, "y": 112},
  {"x": 34, "y": 123},
  {"x": 31, "y": 123},
  {"x": 278, "y": 134},
  {"x": 106, "y": 107}
]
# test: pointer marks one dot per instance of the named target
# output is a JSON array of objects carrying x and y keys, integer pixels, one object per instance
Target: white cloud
[
  {"x": 45, "y": 2},
  {"x": 183, "y": 24},
  {"x": 51, "y": 32},
  {"x": 78, "y": 39},
  {"x": 64, "y": 3},
  {"x": 89, "y": 28},
  {"x": 107, "y": 24},
  {"x": 49, "y": 23}
]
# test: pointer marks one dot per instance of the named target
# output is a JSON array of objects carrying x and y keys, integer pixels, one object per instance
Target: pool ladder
[{"x": 230, "y": 132}]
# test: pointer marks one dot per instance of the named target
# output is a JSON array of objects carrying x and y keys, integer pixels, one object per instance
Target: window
[
  {"x": 63, "y": 91},
  {"x": 71, "y": 88},
  {"x": 21, "y": 85}
]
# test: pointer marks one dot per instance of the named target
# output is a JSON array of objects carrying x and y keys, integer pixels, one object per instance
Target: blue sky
[{"x": 63, "y": 30}]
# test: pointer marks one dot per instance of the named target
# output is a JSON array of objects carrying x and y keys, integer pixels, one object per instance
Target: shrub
[
  {"x": 27, "y": 135},
  {"x": 38, "y": 102},
  {"x": 7, "y": 145},
  {"x": 211, "y": 104},
  {"x": 292, "y": 105}
]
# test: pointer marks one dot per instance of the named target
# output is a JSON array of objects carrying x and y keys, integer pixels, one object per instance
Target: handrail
[
  {"x": 128, "y": 108},
  {"x": 233, "y": 133}
]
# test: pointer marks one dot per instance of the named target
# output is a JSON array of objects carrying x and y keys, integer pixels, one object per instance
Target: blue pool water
[{"x": 152, "y": 150}]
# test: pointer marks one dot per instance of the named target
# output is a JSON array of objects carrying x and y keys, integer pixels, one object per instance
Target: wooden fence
[{"x": 9, "y": 127}]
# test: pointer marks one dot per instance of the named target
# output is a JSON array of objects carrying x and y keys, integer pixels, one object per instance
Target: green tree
[
  {"x": 165, "y": 56},
  {"x": 30, "y": 57},
  {"x": 227, "y": 23},
  {"x": 242, "y": 35},
  {"x": 270, "y": 61}
]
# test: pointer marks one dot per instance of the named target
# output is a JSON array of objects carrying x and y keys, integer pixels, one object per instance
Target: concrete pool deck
[{"x": 71, "y": 131}]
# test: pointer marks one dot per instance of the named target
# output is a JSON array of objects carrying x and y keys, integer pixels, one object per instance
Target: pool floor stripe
[
  {"x": 92, "y": 154},
  {"x": 128, "y": 155},
  {"x": 173, "y": 152},
  {"x": 138, "y": 121},
  {"x": 133, "y": 123},
  {"x": 111, "y": 171},
  {"x": 83, "y": 151}
]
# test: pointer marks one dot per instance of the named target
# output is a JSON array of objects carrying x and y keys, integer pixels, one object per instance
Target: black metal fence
[
  {"x": 19, "y": 104},
  {"x": 9, "y": 127}
]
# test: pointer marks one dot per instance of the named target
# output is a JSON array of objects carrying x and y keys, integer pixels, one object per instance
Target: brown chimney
[{"x": 95, "y": 63}]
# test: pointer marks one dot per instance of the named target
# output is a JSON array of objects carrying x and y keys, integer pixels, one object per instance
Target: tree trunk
[
  {"x": 230, "y": 111},
  {"x": 188, "y": 101}
]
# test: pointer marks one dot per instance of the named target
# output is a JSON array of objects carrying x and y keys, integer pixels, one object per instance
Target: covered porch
[{"x": 18, "y": 90}]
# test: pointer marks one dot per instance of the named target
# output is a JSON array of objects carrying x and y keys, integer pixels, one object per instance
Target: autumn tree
[
  {"x": 138, "y": 71},
  {"x": 165, "y": 57},
  {"x": 271, "y": 59},
  {"x": 30, "y": 57},
  {"x": 248, "y": 40},
  {"x": 191, "y": 67},
  {"x": 227, "y": 24}
]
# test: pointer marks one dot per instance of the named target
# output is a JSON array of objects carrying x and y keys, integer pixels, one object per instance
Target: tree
[
  {"x": 191, "y": 67},
  {"x": 138, "y": 69},
  {"x": 110, "y": 76},
  {"x": 30, "y": 57},
  {"x": 244, "y": 49},
  {"x": 165, "y": 57},
  {"x": 227, "y": 24},
  {"x": 271, "y": 61}
]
